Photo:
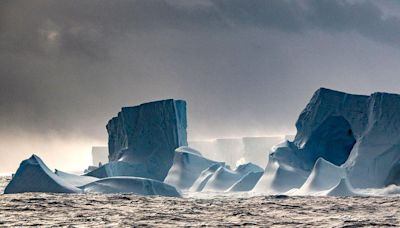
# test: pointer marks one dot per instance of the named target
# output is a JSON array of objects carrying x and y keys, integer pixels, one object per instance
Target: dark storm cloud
[{"x": 68, "y": 66}]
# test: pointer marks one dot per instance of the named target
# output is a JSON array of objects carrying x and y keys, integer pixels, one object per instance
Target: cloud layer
[{"x": 245, "y": 67}]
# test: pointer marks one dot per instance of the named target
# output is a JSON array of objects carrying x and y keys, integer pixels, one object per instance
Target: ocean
[{"x": 126, "y": 210}]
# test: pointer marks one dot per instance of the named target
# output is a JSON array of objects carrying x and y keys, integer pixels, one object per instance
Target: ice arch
[{"x": 333, "y": 141}]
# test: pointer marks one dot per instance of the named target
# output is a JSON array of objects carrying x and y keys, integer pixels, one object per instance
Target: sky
[{"x": 246, "y": 68}]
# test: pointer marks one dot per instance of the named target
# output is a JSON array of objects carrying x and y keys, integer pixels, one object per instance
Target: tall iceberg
[
  {"x": 142, "y": 139},
  {"x": 356, "y": 132}
]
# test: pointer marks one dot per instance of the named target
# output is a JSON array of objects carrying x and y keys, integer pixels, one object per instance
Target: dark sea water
[{"x": 123, "y": 210}]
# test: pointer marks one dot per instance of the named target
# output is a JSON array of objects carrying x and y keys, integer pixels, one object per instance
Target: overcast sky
[{"x": 244, "y": 67}]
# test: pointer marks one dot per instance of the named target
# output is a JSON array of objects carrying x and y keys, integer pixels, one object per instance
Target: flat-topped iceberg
[{"x": 147, "y": 135}]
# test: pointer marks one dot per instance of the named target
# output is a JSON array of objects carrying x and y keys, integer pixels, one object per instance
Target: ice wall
[{"x": 147, "y": 136}]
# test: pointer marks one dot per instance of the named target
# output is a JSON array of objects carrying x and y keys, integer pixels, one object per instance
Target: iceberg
[
  {"x": 187, "y": 167},
  {"x": 142, "y": 139},
  {"x": 134, "y": 185},
  {"x": 34, "y": 176},
  {"x": 356, "y": 132}
]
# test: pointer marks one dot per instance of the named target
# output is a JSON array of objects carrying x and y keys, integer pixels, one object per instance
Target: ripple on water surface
[{"x": 42, "y": 209}]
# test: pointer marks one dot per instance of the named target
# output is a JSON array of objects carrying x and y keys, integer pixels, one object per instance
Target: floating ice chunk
[
  {"x": 247, "y": 182},
  {"x": 187, "y": 168},
  {"x": 134, "y": 185},
  {"x": 34, "y": 176},
  {"x": 75, "y": 180}
]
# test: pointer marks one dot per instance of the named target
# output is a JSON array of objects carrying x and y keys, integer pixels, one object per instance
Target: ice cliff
[{"x": 142, "y": 139}]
